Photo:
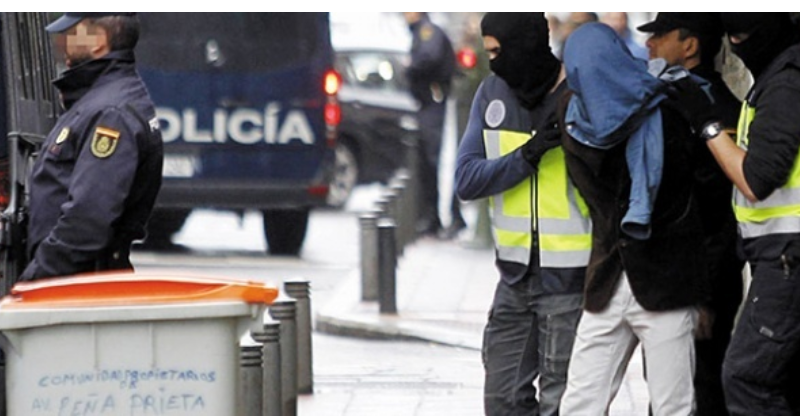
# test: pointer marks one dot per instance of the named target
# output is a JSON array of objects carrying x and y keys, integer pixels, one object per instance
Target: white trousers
[{"x": 603, "y": 348}]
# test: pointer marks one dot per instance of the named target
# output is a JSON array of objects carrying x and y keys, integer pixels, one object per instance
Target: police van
[{"x": 247, "y": 104}]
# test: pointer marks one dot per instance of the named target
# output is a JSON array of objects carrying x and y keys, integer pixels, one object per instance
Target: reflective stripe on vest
[
  {"x": 563, "y": 218},
  {"x": 778, "y": 213}
]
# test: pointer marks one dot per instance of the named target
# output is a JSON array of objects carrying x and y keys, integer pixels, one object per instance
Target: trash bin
[{"x": 127, "y": 344}]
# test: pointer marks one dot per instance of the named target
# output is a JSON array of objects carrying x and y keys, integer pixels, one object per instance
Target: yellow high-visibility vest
[
  {"x": 547, "y": 202},
  {"x": 779, "y": 213}
]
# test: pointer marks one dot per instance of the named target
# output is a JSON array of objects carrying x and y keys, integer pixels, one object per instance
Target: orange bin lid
[{"x": 134, "y": 289}]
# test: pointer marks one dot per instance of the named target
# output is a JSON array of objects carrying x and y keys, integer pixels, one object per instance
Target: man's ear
[
  {"x": 102, "y": 45},
  {"x": 691, "y": 48}
]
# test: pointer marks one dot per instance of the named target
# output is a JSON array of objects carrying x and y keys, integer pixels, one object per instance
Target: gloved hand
[
  {"x": 538, "y": 145},
  {"x": 693, "y": 103}
]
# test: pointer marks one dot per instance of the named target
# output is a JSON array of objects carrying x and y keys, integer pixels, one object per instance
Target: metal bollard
[
  {"x": 384, "y": 206},
  {"x": 412, "y": 159},
  {"x": 284, "y": 311},
  {"x": 271, "y": 372},
  {"x": 387, "y": 265},
  {"x": 251, "y": 379},
  {"x": 406, "y": 227},
  {"x": 369, "y": 256},
  {"x": 298, "y": 290},
  {"x": 398, "y": 190}
]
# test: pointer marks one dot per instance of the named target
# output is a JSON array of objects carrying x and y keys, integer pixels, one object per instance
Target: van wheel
[
  {"x": 285, "y": 230},
  {"x": 163, "y": 223},
  {"x": 345, "y": 175}
]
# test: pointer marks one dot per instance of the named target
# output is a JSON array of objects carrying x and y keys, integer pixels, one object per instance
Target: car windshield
[{"x": 372, "y": 70}]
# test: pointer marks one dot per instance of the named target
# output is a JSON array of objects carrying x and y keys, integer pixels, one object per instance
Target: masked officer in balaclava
[{"x": 511, "y": 153}]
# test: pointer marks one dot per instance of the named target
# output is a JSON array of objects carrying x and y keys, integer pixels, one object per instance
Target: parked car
[{"x": 377, "y": 113}]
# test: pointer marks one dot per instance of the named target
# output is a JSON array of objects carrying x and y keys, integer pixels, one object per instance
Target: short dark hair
[
  {"x": 122, "y": 30},
  {"x": 709, "y": 44}
]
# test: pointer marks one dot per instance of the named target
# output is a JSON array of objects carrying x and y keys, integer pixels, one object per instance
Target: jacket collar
[{"x": 75, "y": 82}]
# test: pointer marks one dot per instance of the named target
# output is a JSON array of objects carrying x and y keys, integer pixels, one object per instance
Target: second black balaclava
[
  {"x": 525, "y": 61},
  {"x": 769, "y": 35}
]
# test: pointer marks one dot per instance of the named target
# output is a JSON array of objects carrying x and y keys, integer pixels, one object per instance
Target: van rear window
[{"x": 235, "y": 42}]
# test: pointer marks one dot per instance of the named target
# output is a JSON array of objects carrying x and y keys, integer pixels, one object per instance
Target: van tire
[
  {"x": 163, "y": 224},
  {"x": 285, "y": 230}
]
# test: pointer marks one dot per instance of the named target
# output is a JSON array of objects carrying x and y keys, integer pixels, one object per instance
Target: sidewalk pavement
[{"x": 444, "y": 291}]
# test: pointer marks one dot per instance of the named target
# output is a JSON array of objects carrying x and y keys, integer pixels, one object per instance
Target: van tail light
[
  {"x": 333, "y": 114},
  {"x": 332, "y": 111},
  {"x": 333, "y": 81}
]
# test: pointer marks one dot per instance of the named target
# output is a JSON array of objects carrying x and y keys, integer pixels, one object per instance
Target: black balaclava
[
  {"x": 770, "y": 34},
  {"x": 525, "y": 61}
]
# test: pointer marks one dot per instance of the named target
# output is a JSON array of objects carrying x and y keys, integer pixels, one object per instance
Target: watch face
[{"x": 712, "y": 130}]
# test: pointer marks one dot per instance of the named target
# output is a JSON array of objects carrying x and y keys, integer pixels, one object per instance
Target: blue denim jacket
[{"x": 616, "y": 98}]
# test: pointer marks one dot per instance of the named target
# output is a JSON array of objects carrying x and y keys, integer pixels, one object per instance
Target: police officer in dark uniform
[
  {"x": 693, "y": 40},
  {"x": 429, "y": 74},
  {"x": 99, "y": 171}
]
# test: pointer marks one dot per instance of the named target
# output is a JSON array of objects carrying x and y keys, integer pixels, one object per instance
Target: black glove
[
  {"x": 696, "y": 106},
  {"x": 538, "y": 145}
]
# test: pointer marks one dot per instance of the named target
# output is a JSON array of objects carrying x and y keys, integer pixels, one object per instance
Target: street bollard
[
  {"x": 384, "y": 206},
  {"x": 271, "y": 373},
  {"x": 407, "y": 226},
  {"x": 398, "y": 190},
  {"x": 387, "y": 264},
  {"x": 391, "y": 212},
  {"x": 369, "y": 256},
  {"x": 298, "y": 290},
  {"x": 284, "y": 311},
  {"x": 412, "y": 159},
  {"x": 251, "y": 378}
]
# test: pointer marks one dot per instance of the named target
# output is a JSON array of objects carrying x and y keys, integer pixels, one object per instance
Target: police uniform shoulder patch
[
  {"x": 104, "y": 142},
  {"x": 63, "y": 135},
  {"x": 426, "y": 32},
  {"x": 495, "y": 113}
]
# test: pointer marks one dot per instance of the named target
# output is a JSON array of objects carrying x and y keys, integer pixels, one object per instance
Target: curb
[{"x": 346, "y": 315}]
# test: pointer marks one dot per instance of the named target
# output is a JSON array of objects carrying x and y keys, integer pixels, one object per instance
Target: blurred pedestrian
[
  {"x": 641, "y": 287},
  {"x": 95, "y": 182},
  {"x": 511, "y": 154},
  {"x": 573, "y": 21},
  {"x": 760, "y": 372},
  {"x": 693, "y": 40},
  {"x": 619, "y": 22},
  {"x": 429, "y": 73}
]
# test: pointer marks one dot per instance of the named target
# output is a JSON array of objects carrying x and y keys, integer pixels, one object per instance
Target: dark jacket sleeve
[
  {"x": 774, "y": 135},
  {"x": 478, "y": 177},
  {"x": 97, "y": 192}
]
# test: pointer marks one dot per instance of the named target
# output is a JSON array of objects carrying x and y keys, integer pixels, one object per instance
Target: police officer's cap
[
  {"x": 71, "y": 19},
  {"x": 700, "y": 23}
]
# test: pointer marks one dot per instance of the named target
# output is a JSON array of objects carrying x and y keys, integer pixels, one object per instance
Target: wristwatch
[{"x": 711, "y": 130}]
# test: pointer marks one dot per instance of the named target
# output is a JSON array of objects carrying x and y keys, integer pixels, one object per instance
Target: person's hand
[
  {"x": 540, "y": 143},
  {"x": 688, "y": 98},
  {"x": 705, "y": 323}
]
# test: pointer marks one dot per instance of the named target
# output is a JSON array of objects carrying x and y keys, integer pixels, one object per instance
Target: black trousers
[{"x": 760, "y": 370}]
